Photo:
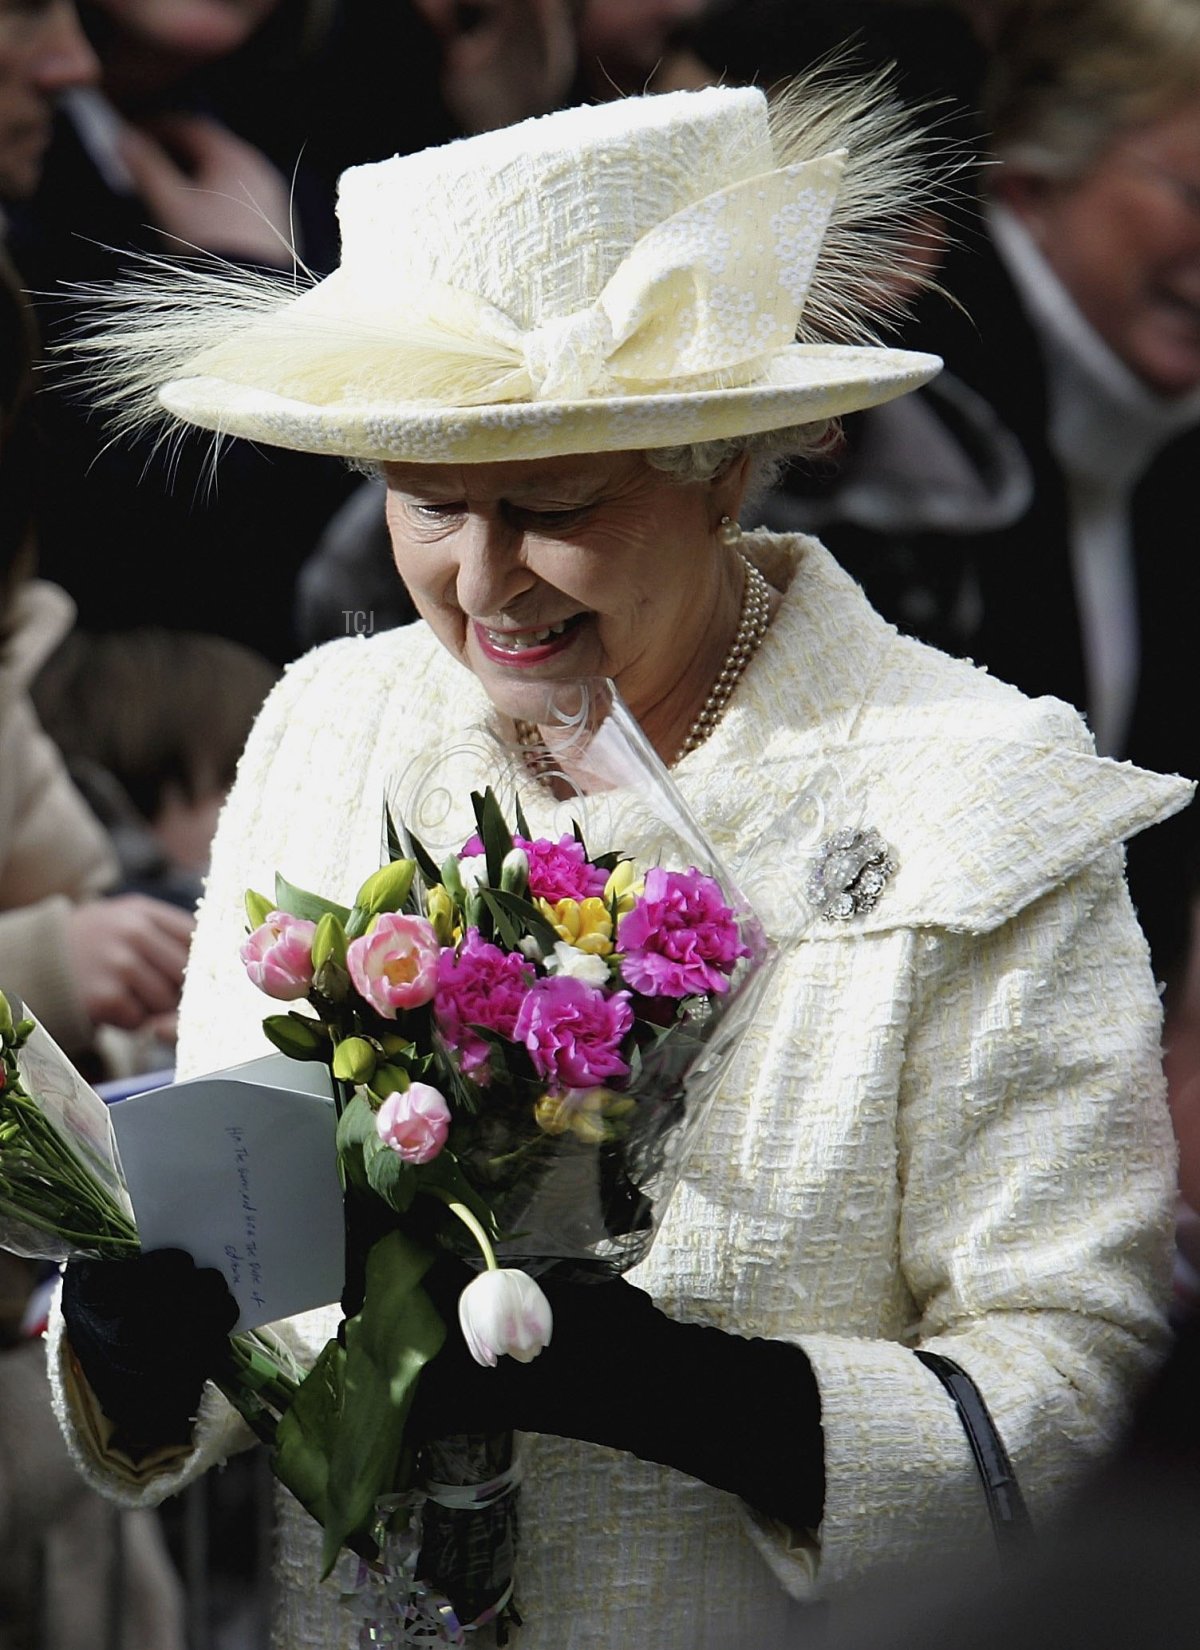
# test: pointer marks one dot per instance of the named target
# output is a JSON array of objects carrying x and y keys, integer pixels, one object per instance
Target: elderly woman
[{"x": 568, "y": 345}]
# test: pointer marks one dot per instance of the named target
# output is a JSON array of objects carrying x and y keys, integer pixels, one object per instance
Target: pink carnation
[
  {"x": 278, "y": 956},
  {"x": 573, "y": 1032},
  {"x": 557, "y": 870},
  {"x": 680, "y": 939},
  {"x": 480, "y": 986},
  {"x": 395, "y": 965},
  {"x": 414, "y": 1123}
]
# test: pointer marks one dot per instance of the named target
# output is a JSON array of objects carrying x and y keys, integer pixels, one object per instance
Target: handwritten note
[{"x": 238, "y": 1168}]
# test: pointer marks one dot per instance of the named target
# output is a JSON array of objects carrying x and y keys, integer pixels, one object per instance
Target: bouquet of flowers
[{"x": 524, "y": 1027}]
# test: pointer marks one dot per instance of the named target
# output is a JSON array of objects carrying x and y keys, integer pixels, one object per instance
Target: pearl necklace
[{"x": 752, "y": 627}]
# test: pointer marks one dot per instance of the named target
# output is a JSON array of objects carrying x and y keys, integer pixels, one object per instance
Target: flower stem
[{"x": 469, "y": 1221}]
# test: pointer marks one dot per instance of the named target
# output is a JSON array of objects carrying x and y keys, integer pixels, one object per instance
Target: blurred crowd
[{"x": 1031, "y": 508}]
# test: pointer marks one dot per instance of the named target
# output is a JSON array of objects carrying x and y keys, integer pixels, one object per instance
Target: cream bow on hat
[{"x": 625, "y": 276}]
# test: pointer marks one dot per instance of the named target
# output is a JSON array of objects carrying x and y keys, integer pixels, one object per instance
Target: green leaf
[
  {"x": 522, "y": 822},
  {"x": 497, "y": 838},
  {"x": 509, "y": 908},
  {"x": 306, "y": 1431},
  {"x": 387, "y": 1345},
  {"x": 417, "y": 850},
  {"x": 298, "y": 903},
  {"x": 356, "y": 1125},
  {"x": 357, "y": 922},
  {"x": 389, "y": 1176},
  {"x": 507, "y": 930},
  {"x": 395, "y": 848}
]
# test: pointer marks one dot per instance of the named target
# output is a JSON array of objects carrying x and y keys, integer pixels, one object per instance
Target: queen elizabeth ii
[{"x": 571, "y": 347}]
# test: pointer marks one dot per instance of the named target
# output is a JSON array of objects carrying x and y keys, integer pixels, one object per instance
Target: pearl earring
[{"x": 729, "y": 532}]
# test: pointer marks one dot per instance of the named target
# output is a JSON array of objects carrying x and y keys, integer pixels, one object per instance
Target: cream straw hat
[{"x": 624, "y": 276}]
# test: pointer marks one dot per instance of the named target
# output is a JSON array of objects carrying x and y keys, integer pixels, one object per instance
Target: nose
[
  {"x": 490, "y": 573},
  {"x": 62, "y": 56}
]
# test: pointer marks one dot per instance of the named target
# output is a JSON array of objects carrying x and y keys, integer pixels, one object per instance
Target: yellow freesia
[
  {"x": 439, "y": 908},
  {"x": 585, "y": 924},
  {"x": 624, "y": 885},
  {"x": 582, "y": 1112}
]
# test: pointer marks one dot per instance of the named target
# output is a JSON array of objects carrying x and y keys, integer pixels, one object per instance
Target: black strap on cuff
[{"x": 1011, "y": 1523}]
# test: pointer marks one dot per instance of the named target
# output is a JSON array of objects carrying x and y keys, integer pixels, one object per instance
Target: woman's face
[
  {"x": 541, "y": 571},
  {"x": 1125, "y": 241},
  {"x": 43, "y": 52}
]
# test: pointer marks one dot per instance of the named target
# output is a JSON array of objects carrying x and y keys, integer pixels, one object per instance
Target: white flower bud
[
  {"x": 472, "y": 868},
  {"x": 514, "y": 872}
]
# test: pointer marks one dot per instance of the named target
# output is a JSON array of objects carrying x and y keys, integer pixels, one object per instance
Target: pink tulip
[
  {"x": 395, "y": 966},
  {"x": 278, "y": 956},
  {"x": 414, "y": 1123}
]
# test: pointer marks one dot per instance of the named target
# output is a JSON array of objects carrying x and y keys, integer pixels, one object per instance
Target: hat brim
[{"x": 806, "y": 383}]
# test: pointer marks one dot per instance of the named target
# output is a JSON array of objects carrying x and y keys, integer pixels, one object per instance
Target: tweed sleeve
[{"x": 1035, "y": 1167}]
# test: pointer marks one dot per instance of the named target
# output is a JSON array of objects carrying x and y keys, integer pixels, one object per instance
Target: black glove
[
  {"x": 148, "y": 1333},
  {"x": 743, "y": 1415}
]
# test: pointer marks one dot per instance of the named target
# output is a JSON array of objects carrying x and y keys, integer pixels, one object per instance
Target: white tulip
[{"x": 504, "y": 1311}]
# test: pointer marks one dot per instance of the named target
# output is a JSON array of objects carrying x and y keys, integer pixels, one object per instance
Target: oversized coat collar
[{"x": 985, "y": 798}]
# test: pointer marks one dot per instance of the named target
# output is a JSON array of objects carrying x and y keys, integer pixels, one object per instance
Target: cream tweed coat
[{"x": 945, "y": 1127}]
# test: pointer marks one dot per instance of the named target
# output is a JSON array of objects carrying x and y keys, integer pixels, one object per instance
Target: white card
[{"x": 239, "y": 1168}]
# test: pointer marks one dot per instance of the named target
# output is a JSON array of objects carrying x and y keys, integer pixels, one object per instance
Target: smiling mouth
[{"x": 516, "y": 644}]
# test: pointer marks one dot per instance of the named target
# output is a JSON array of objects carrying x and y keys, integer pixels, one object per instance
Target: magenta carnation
[
  {"x": 680, "y": 939},
  {"x": 557, "y": 870},
  {"x": 480, "y": 985},
  {"x": 573, "y": 1032}
]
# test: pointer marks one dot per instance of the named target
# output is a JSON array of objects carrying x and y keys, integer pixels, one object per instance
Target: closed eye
[
  {"x": 434, "y": 512},
  {"x": 549, "y": 520}
]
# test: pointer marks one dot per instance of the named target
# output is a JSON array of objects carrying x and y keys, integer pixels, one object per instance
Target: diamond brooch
[{"x": 849, "y": 874}]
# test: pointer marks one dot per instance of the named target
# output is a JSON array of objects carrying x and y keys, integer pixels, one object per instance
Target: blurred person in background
[
  {"x": 142, "y": 162},
  {"x": 67, "y": 1561},
  {"x": 79, "y": 960},
  {"x": 1096, "y": 215},
  {"x": 151, "y": 723},
  {"x": 624, "y": 44},
  {"x": 502, "y": 60},
  {"x": 1024, "y": 509}
]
